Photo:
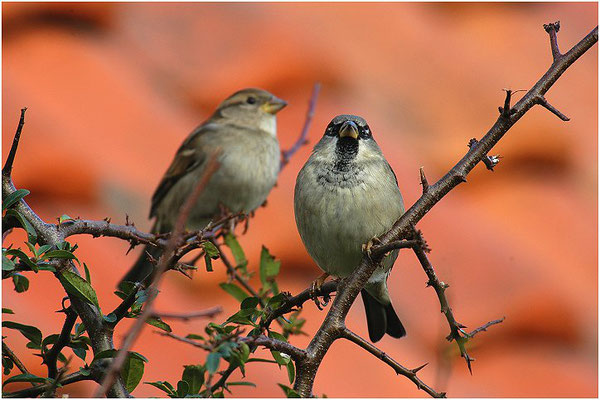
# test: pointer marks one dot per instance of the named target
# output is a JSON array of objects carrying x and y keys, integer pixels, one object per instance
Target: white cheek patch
[{"x": 268, "y": 124}]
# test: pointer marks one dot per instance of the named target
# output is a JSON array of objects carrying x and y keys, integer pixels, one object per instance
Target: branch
[
  {"x": 552, "y": 30},
  {"x": 349, "y": 288},
  {"x": 115, "y": 367},
  {"x": 286, "y": 155},
  {"x": 208, "y": 313},
  {"x": 400, "y": 370},
  {"x": 90, "y": 315},
  {"x": 7, "y": 352},
  {"x": 295, "y": 302},
  {"x": 39, "y": 389},
  {"x": 7, "y": 169},
  {"x": 294, "y": 352},
  {"x": 483, "y": 328},
  {"x": 63, "y": 340}
]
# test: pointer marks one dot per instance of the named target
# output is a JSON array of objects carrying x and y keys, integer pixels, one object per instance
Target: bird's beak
[
  {"x": 273, "y": 105},
  {"x": 349, "y": 128}
]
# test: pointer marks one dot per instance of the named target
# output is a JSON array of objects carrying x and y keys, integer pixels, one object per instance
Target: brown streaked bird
[
  {"x": 346, "y": 194},
  {"x": 244, "y": 128}
]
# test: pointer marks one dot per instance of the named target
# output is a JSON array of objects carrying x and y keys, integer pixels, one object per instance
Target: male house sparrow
[
  {"x": 244, "y": 128},
  {"x": 345, "y": 195}
]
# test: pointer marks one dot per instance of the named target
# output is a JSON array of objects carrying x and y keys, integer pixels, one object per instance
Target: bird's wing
[
  {"x": 392, "y": 171},
  {"x": 189, "y": 157}
]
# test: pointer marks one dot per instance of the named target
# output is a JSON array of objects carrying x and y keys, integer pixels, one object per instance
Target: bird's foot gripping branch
[{"x": 230, "y": 345}]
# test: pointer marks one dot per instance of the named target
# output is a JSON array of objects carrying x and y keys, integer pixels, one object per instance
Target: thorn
[
  {"x": 506, "y": 110},
  {"x": 424, "y": 182},
  {"x": 131, "y": 247},
  {"x": 414, "y": 371},
  {"x": 107, "y": 220},
  {"x": 541, "y": 100}
]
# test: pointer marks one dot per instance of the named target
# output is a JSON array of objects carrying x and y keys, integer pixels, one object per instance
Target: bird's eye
[{"x": 251, "y": 100}]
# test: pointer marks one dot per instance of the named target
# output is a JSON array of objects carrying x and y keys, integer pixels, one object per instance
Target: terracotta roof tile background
[{"x": 113, "y": 88}]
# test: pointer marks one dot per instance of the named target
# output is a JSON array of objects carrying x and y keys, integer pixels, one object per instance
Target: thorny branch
[
  {"x": 115, "y": 367},
  {"x": 208, "y": 313},
  {"x": 6, "y": 351},
  {"x": 333, "y": 326},
  {"x": 400, "y": 370},
  {"x": 51, "y": 357},
  {"x": 302, "y": 139}
]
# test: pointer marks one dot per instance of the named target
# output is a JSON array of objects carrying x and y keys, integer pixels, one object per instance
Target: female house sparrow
[
  {"x": 345, "y": 195},
  {"x": 244, "y": 128}
]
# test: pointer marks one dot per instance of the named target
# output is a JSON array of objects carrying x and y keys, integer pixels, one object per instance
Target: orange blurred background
[{"x": 113, "y": 89}]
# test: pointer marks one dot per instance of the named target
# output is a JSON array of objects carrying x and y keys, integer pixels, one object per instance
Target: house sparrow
[
  {"x": 345, "y": 195},
  {"x": 244, "y": 128}
]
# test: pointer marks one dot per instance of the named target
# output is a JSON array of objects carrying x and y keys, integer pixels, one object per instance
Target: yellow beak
[
  {"x": 349, "y": 128},
  {"x": 273, "y": 105}
]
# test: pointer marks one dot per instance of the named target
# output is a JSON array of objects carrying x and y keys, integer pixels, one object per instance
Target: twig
[
  {"x": 541, "y": 100},
  {"x": 39, "y": 389},
  {"x": 7, "y": 169},
  {"x": 424, "y": 182},
  {"x": 552, "y": 30},
  {"x": 101, "y": 339},
  {"x": 231, "y": 271},
  {"x": 294, "y": 352},
  {"x": 484, "y": 327},
  {"x": 115, "y": 367},
  {"x": 122, "y": 309},
  {"x": 287, "y": 154},
  {"x": 409, "y": 373},
  {"x": 64, "y": 338},
  {"x": 6, "y": 351},
  {"x": 292, "y": 303},
  {"x": 208, "y": 313},
  {"x": 349, "y": 288}
]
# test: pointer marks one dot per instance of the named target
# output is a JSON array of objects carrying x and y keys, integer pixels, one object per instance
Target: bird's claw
[
  {"x": 366, "y": 248},
  {"x": 315, "y": 289}
]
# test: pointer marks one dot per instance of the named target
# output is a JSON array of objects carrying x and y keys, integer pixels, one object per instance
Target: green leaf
[
  {"x": 14, "y": 197},
  {"x": 234, "y": 290},
  {"x": 195, "y": 336},
  {"x": 208, "y": 262},
  {"x": 212, "y": 362},
  {"x": 250, "y": 302},
  {"x": 110, "y": 318},
  {"x": 7, "y": 311},
  {"x": 30, "y": 332},
  {"x": 79, "y": 352},
  {"x": 105, "y": 354},
  {"x": 211, "y": 250},
  {"x": 241, "y": 384},
  {"x": 64, "y": 254},
  {"x": 291, "y": 370},
  {"x": 26, "y": 378},
  {"x": 162, "y": 385},
  {"x": 88, "y": 277},
  {"x": 132, "y": 372},
  {"x": 278, "y": 336},
  {"x": 281, "y": 358},
  {"x": 79, "y": 287},
  {"x": 269, "y": 268},
  {"x": 138, "y": 356},
  {"x": 23, "y": 257},
  {"x": 159, "y": 323},
  {"x": 7, "y": 365},
  {"x": 276, "y": 301},
  {"x": 236, "y": 250},
  {"x": 289, "y": 392},
  {"x": 64, "y": 218},
  {"x": 194, "y": 376},
  {"x": 31, "y": 233},
  {"x": 7, "y": 263},
  {"x": 182, "y": 389},
  {"x": 261, "y": 360}
]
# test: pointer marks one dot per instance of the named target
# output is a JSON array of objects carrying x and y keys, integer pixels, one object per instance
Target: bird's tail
[
  {"x": 381, "y": 319},
  {"x": 143, "y": 270}
]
